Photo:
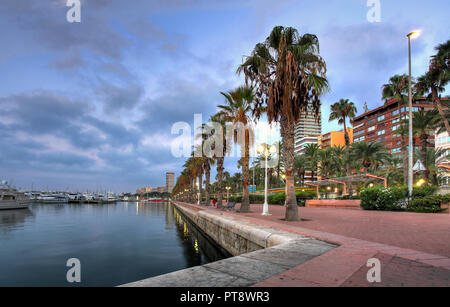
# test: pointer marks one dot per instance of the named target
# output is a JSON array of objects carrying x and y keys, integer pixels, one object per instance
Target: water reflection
[{"x": 116, "y": 243}]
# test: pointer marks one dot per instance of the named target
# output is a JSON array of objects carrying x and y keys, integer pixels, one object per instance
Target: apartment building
[
  {"x": 307, "y": 129},
  {"x": 381, "y": 124},
  {"x": 334, "y": 138}
]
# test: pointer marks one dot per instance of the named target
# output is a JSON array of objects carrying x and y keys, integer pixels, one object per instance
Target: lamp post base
[{"x": 266, "y": 210}]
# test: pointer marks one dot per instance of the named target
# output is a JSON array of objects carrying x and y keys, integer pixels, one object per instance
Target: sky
[{"x": 91, "y": 105}]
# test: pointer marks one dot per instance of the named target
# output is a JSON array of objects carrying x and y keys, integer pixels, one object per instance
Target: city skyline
[{"x": 96, "y": 100}]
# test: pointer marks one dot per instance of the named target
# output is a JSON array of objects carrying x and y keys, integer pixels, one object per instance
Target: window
[
  {"x": 396, "y": 121},
  {"x": 380, "y": 118},
  {"x": 360, "y": 139},
  {"x": 371, "y": 122},
  {"x": 415, "y": 109},
  {"x": 381, "y": 132},
  {"x": 396, "y": 150},
  {"x": 380, "y": 126},
  {"x": 394, "y": 128},
  {"x": 395, "y": 112},
  {"x": 371, "y": 129},
  {"x": 382, "y": 139}
]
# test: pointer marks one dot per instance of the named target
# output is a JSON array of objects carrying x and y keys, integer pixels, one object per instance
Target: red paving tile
[
  {"x": 428, "y": 233},
  {"x": 413, "y": 248}
]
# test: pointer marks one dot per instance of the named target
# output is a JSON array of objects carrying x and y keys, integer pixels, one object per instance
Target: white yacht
[
  {"x": 10, "y": 198},
  {"x": 55, "y": 198}
]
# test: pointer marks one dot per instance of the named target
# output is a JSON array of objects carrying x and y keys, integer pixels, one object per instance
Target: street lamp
[
  {"x": 228, "y": 190},
  {"x": 410, "y": 156},
  {"x": 266, "y": 150}
]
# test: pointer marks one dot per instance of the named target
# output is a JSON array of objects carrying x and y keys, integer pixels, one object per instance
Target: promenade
[{"x": 413, "y": 248}]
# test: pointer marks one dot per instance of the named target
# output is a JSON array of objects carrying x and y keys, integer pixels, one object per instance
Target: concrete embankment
[{"x": 259, "y": 252}]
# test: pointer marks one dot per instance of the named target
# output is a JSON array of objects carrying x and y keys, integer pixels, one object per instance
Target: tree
[
  {"x": 289, "y": 75},
  {"x": 220, "y": 118},
  {"x": 342, "y": 110},
  {"x": 397, "y": 88},
  {"x": 424, "y": 123},
  {"x": 301, "y": 165},
  {"x": 433, "y": 82},
  {"x": 311, "y": 153},
  {"x": 325, "y": 159},
  {"x": 369, "y": 154},
  {"x": 237, "y": 110}
]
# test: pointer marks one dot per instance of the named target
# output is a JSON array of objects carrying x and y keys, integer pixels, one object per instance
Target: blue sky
[{"x": 91, "y": 104}]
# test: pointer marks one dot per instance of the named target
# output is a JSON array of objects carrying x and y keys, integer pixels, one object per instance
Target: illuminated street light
[{"x": 413, "y": 34}]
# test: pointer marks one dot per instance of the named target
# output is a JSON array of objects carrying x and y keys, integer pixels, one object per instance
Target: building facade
[
  {"x": 381, "y": 124},
  {"x": 442, "y": 142},
  {"x": 170, "y": 181},
  {"x": 334, "y": 138},
  {"x": 307, "y": 129}
]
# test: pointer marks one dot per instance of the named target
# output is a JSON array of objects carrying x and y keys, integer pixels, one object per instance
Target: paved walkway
[{"x": 413, "y": 248}]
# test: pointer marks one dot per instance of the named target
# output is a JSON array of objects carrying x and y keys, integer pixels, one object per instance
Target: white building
[{"x": 442, "y": 141}]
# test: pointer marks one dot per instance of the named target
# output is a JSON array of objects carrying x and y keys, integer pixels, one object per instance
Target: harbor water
[{"x": 115, "y": 243}]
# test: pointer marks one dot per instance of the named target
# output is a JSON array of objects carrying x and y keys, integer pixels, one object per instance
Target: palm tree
[
  {"x": 301, "y": 165},
  {"x": 403, "y": 131},
  {"x": 236, "y": 110},
  {"x": 311, "y": 153},
  {"x": 397, "y": 88},
  {"x": 289, "y": 75},
  {"x": 325, "y": 159},
  {"x": 342, "y": 110},
  {"x": 369, "y": 154},
  {"x": 425, "y": 123},
  {"x": 339, "y": 161},
  {"x": 434, "y": 81}
]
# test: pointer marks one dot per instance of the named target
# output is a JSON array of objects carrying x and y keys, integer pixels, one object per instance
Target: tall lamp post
[
  {"x": 411, "y": 149},
  {"x": 266, "y": 150}
]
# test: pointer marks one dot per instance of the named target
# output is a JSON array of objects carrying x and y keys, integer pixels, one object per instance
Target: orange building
[{"x": 334, "y": 138}]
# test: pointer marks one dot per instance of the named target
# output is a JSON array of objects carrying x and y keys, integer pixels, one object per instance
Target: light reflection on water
[{"x": 116, "y": 243}]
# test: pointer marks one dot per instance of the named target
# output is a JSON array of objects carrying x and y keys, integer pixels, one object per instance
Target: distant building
[
  {"x": 334, "y": 138},
  {"x": 307, "y": 130},
  {"x": 380, "y": 124},
  {"x": 170, "y": 182}
]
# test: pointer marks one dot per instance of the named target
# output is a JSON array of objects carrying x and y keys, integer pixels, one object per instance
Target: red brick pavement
[{"x": 413, "y": 248}]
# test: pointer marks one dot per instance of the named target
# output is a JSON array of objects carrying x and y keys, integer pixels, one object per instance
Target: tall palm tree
[
  {"x": 237, "y": 109},
  {"x": 219, "y": 155},
  {"x": 342, "y": 110},
  {"x": 312, "y": 154},
  {"x": 289, "y": 75},
  {"x": 425, "y": 123},
  {"x": 433, "y": 82},
  {"x": 369, "y": 154},
  {"x": 397, "y": 88},
  {"x": 339, "y": 161}
]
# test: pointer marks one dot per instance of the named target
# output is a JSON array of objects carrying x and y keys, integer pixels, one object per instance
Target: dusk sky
[{"x": 90, "y": 105}]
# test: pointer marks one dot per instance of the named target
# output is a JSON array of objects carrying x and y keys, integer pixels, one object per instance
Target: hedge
[
  {"x": 277, "y": 199},
  {"x": 396, "y": 199}
]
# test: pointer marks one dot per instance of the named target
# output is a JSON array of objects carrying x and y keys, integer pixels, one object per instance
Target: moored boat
[{"x": 11, "y": 199}]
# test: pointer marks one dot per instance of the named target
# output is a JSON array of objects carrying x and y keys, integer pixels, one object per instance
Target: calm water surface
[{"x": 116, "y": 244}]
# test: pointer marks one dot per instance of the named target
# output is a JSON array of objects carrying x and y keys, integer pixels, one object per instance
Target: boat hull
[{"x": 13, "y": 204}]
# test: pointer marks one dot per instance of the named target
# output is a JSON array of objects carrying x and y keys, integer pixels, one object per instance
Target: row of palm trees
[{"x": 284, "y": 76}]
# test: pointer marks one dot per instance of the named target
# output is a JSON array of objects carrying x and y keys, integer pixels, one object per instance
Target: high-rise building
[
  {"x": 335, "y": 138},
  {"x": 307, "y": 129},
  {"x": 170, "y": 182},
  {"x": 381, "y": 124}
]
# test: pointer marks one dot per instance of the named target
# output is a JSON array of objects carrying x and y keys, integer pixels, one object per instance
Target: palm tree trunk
[
  {"x": 245, "y": 204},
  {"x": 287, "y": 133},
  {"x": 438, "y": 105},
  {"x": 220, "y": 169},
  {"x": 207, "y": 184},
  {"x": 405, "y": 161}
]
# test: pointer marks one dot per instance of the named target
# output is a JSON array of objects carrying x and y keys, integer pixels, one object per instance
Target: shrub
[
  {"x": 424, "y": 191},
  {"x": 346, "y": 197},
  {"x": 428, "y": 204},
  {"x": 378, "y": 198}
]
